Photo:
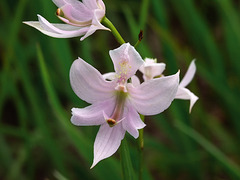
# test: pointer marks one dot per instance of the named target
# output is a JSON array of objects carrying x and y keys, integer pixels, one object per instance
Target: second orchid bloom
[
  {"x": 151, "y": 69},
  {"x": 116, "y": 104},
  {"x": 81, "y": 18}
]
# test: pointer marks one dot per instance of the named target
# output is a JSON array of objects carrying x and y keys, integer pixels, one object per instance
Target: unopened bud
[{"x": 140, "y": 35}]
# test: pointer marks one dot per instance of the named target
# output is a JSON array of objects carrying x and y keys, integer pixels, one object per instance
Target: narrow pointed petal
[
  {"x": 93, "y": 114},
  {"x": 57, "y": 30},
  {"x": 189, "y": 74},
  {"x": 133, "y": 121},
  {"x": 184, "y": 93},
  {"x": 126, "y": 61},
  {"x": 88, "y": 84},
  {"x": 154, "y": 96},
  {"x": 107, "y": 142}
]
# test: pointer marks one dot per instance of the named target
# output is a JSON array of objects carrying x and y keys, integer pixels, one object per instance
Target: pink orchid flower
[
  {"x": 116, "y": 103},
  {"x": 151, "y": 69},
  {"x": 81, "y": 18}
]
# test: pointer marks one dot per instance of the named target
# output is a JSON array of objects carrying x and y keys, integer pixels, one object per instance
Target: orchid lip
[{"x": 116, "y": 116}]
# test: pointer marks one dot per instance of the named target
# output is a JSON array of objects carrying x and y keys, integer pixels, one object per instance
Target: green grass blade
[{"x": 213, "y": 150}]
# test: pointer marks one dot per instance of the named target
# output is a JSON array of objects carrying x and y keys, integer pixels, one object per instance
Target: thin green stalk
[
  {"x": 141, "y": 147},
  {"x": 140, "y": 37},
  {"x": 114, "y": 31}
]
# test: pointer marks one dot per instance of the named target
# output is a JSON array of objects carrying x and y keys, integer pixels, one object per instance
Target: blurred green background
[{"x": 37, "y": 140}]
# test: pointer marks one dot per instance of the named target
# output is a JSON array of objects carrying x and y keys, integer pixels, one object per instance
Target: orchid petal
[
  {"x": 107, "y": 141},
  {"x": 93, "y": 114},
  {"x": 154, "y": 96},
  {"x": 189, "y": 74},
  {"x": 135, "y": 81},
  {"x": 88, "y": 84},
  {"x": 57, "y": 30},
  {"x": 78, "y": 16},
  {"x": 96, "y": 25},
  {"x": 151, "y": 69},
  {"x": 133, "y": 121},
  {"x": 75, "y": 3},
  {"x": 60, "y": 3},
  {"x": 126, "y": 61},
  {"x": 109, "y": 76},
  {"x": 184, "y": 93},
  {"x": 91, "y": 4}
]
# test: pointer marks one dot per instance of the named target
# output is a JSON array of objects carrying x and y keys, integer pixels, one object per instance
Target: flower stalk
[{"x": 114, "y": 31}]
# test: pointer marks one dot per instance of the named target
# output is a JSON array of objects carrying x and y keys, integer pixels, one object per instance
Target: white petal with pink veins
[
  {"x": 88, "y": 83},
  {"x": 126, "y": 61},
  {"x": 132, "y": 121},
  {"x": 107, "y": 142},
  {"x": 154, "y": 96},
  {"x": 93, "y": 114},
  {"x": 57, "y": 30}
]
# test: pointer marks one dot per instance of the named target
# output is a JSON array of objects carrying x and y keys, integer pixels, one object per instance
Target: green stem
[
  {"x": 137, "y": 43},
  {"x": 105, "y": 21},
  {"x": 141, "y": 147}
]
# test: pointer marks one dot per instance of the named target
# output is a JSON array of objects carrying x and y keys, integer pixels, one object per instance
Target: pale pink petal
[
  {"x": 91, "y": 4},
  {"x": 57, "y": 30},
  {"x": 60, "y": 3},
  {"x": 189, "y": 74},
  {"x": 109, "y": 76},
  {"x": 88, "y": 84},
  {"x": 76, "y": 16},
  {"x": 135, "y": 81},
  {"x": 158, "y": 69},
  {"x": 75, "y": 3},
  {"x": 184, "y": 93},
  {"x": 126, "y": 61},
  {"x": 133, "y": 121},
  {"x": 154, "y": 96},
  {"x": 96, "y": 25},
  {"x": 93, "y": 114},
  {"x": 107, "y": 141},
  {"x": 152, "y": 70}
]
